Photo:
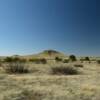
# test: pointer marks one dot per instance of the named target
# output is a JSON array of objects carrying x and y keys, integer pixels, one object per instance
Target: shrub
[
  {"x": 98, "y": 61},
  {"x": 57, "y": 59},
  {"x": 78, "y": 65},
  {"x": 87, "y": 59},
  {"x": 43, "y": 61},
  {"x": 65, "y": 61},
  {"x": 82, "y": 60},
  {"x": 0, "y": 62},
  {"x": 8, "y": 59},
  {"x": 23, "y": 60},
  {"x": 72, "y": 58},
  {"x": 16, "y": 67},
  {"x": 62, "y": 70},
  {"x": 14, "y": 59},
  {"x": 31, "y": 60},
  {"x": 39, "y": 61}
]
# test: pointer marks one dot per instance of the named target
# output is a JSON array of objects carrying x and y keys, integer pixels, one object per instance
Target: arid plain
[{"x": 49, "y": 75}]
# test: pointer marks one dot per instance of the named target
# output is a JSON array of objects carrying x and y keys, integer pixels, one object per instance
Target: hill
[{"x": 48, "y": 54}]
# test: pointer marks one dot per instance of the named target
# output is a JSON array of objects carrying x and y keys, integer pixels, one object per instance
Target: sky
[{"x": 30, "y": 26}]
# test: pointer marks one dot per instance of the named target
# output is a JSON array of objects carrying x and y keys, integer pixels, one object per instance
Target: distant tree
[{"x": 72, "y": 58}]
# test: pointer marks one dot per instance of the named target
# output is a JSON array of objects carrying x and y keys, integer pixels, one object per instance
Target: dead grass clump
[
  {"x": 63, "y": 70},
  {"x": 16, "y": 67}
]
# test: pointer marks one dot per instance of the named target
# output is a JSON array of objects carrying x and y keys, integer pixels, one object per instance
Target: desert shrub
[
  {"x": 14, "y": 59},
  {"x": 31, "y": 60},
  {"x": 23, "y": 60},
  {"x": 82, "y": 60},
  {"x": 65, "y": 61},
  {"x": 43, "y": 60},
  {"x": 17, "y": 59},
  {"x": 0, "y": 63},
  {"x": 16, "y": 67},
  {"x": 62, "y": 70},
  {"x": 78, "y": 65},
  {"x": 98, "y": 61},
  {"x": 72, "y": 58},
  {"x": 57, "y": 59},
  {"x": 34, "y": 60},
  {"x": 8, "y": 59},
  {"x": 38, "y": 61},
  {"x": 87, "y": 59}
]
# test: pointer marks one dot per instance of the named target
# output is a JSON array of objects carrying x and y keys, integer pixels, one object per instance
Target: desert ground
[{"x": 54, "y": 79}]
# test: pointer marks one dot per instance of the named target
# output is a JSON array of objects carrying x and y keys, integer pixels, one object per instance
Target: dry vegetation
[{"x": 65, "y": 79}]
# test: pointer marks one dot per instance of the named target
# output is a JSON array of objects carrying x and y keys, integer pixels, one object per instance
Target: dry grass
[{"x": 40, "y": 84}]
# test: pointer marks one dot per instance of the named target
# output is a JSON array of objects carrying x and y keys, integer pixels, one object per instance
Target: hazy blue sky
[{"x": 29, "y": 26}]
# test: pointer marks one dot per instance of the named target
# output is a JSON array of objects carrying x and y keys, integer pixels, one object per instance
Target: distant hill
[{"x": 48, "y": 54}]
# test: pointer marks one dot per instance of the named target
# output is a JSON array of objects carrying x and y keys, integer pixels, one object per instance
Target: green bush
[
  {"x": 62, "y": 70},
  {"x": 72, "y": 58},
  {"x": 16, "y": 67}
]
